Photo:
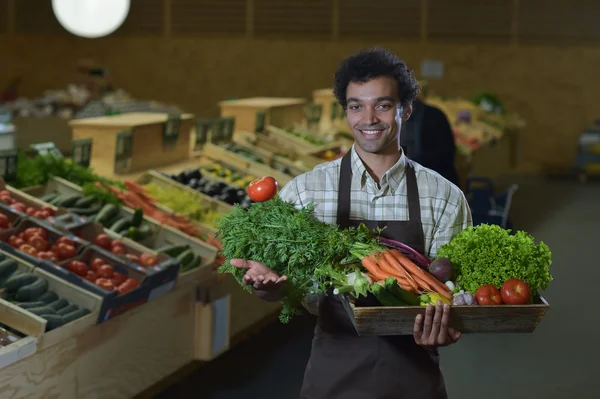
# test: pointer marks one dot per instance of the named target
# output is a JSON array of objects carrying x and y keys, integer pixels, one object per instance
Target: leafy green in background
[{"x": 489, "y": 254}]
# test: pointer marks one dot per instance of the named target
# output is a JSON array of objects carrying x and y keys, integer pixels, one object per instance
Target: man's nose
[{"x": 370, "y": 117}]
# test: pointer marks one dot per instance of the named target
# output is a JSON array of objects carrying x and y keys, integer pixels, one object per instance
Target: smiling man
[{"x": 374, "y": 184}]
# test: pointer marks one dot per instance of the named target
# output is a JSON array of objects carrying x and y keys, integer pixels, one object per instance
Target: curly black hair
[{"x": 373, "y": 63}]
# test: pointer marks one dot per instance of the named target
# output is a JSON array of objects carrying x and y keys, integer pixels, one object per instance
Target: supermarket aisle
[{"x": 556, "y": 362}]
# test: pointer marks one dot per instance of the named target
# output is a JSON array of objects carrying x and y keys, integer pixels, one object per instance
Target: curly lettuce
[{"x": 489, "y": 254}]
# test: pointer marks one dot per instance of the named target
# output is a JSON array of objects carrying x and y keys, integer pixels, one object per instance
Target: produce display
[
  {"x": 249, "y": 155},
  {"x": 38, "y": 242},
  {"x": 116, "y": 247},
  {"x": 228, "y": 193},
  {"x": 30, "y": 292},
  {"x": 100, "y": 272},
  {"x": 43, "y": 212},
  {"x": 483, "y": 265},
  {"x": 225, "y": 174},
  {"x": 307, "y": 137}
]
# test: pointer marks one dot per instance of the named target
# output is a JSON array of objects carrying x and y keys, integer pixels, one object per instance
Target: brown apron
[{"x": 344, "y": 365}]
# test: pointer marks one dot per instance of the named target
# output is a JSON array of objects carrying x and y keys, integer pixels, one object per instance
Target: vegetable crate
[
  {"x": 25, "y": 204},
  {"x": 382, "y": 320},
  {"x": 297, "y": 144}
]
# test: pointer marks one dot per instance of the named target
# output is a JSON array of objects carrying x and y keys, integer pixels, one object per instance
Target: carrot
[
  {"x": 402, "y": 272},
  {"x": 370, "y": 263},
  {"x": 404, "y": 283},
  {"x": 415, "y": 270},
  {"x": 385, "y": 265},
  {"x": 134, "y": 187}
]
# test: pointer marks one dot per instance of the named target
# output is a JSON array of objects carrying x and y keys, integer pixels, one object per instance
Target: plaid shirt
[{"x": 444, "y": 209}]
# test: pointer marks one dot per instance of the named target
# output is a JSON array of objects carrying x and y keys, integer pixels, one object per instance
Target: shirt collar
[{"x": 391, "y": 178}]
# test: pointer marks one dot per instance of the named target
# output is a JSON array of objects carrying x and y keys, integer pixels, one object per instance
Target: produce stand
[{"x": 277, "y": 111}]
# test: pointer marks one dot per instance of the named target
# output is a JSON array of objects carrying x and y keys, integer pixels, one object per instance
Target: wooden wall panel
[
  {"x": 145, "y": 18},
  {"x": 468, "y": 20},
  {"x": 299, "y": 18},
  {"x": 35, "y": 17},
  {"x": 386, "y": 20},
  {"x": 208, "y": 17}
]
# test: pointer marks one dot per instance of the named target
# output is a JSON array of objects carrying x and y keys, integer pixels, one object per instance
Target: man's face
[{"x": 374, "y": 114}]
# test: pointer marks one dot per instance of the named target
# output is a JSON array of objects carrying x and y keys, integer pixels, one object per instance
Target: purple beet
[{"x": 441, "y": 268}]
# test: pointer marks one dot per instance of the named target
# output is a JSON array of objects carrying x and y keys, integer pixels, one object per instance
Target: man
[
  {"x": 376, "y": 184},
  {"x": 428, "y": 138}
]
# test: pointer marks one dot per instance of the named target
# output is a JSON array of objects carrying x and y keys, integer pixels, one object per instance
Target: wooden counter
[
  {"x": 280, "y": 112},
  {"x": 135, "y": 141}
]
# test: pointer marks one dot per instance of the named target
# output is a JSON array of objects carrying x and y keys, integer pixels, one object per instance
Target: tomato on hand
[
  {"x": 515, "y": 292},
  {"x": 488, "y": 294},
  {"x": 262, "y": 189}
]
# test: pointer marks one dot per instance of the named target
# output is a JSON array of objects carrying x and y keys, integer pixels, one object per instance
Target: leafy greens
[{"x": 489, "y": 254}]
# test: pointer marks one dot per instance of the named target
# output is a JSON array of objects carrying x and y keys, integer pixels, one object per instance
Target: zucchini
[
  {"x": 7, "y": 267},
  {"x": 68, "y": 200},
  {"x": 42, "y": 310},
  {"x": 391, "y": 285},
  {"x": 29, "y": 305},
  {"x": 85, "y": 202},
  {"x": 173, "y": 250},
  {"x": 59, "y": 304},
  {"x": 119, "y": 225},
  {"x": 138, "y": 217},
  {"x": 49, "y": 197},
  {"x": 74, "y": 315},
  {"x": 32, "y": 291},
  {"x": 107, "y": 212},
  {"x": 186, "y": 256},
  {"x": 56, "y": 199},
  {"x": 67, "y": 309},
  {"x": 91, "y": 210},
  {"x": 48, "y": 297},
  {"x": 18, "y": 281},
  {"x": 384, "y": 297},
  {"x": 54, "y": 321}
]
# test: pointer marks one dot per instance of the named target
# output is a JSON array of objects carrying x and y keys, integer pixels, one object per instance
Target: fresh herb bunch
[
  {"x": 489, "y": 254},
  {"x": 292, "y": 242}
]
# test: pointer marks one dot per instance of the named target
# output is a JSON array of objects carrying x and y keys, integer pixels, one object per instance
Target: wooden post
[
  {"x": 514, "y": 28},
  {"x": 424, "y": 19},
  {"x": 335, "y": 20}
]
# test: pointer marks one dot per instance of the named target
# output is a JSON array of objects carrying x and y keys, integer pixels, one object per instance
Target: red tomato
[
  {"x": 134, "y": 258},
  {"x": 43, "y": 215},
  {"x": 19, "y": 206},
  {"x": 515, "y": 292},
  {"x": 39, "y": 243},
  {"x": 48, "y": 209},
  {"x": 65, "y": 240},
  {"x": 262, "y": 189},
  {"x": 117, "y": 250},
  {"x": 148, "y": 260},
  {"x": 103, "y": 241},
  {"x": 30, "y": 211},
  {"x": 46, "y": 255},
  {"x": 118, "y": 278},
  {"x": 91, "y": 276},
  {"x": 5, "y": 193},
  {"x": 4, "y": 222},
  {"x": 96, "y": 263},
  {"x": 6, "y": 199},
  {"x": 488, "y": 295},
  {"x": 28, "y": 249},
  {"x": 65, "y": 251},
  {"x": 117, "y": 243},
  {"x": 128, "y": 285},
  {"x": 105, "y": 271},
  {"x": 78, "y": 268},
  {"x": 105, "y": 283}
]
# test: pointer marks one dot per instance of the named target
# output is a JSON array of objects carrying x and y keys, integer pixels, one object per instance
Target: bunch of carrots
[
  {"x": 136, "y": 196},
  {"x": 382, "y": 263}
]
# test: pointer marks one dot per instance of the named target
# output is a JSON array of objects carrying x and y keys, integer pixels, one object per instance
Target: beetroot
[{"x": 441, "y": 268}]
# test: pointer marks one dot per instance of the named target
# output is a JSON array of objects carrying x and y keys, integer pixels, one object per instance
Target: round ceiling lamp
[{"x": 91, "y": 18}]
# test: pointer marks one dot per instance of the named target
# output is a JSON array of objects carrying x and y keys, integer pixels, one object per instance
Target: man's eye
[
  {"x": 354, "y": 107},
  {"x": 385, "y": 106}
]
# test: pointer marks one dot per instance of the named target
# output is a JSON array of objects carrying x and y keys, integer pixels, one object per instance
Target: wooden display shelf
[
  {"x": 135, "y": 141},
  {"x": 278, "y": 111}
]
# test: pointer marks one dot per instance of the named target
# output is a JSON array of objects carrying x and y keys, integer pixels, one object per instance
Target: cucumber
[
  {"x": 68, "y": 200},
  {"x": 186, "y": 256},
  {"x": 2, "y": 256},
  {"x": 173, "y": 250},
  {"x": 32, "y": 291},
  {"x": 144, "y": 230},
  {"x": 56, "y": 199},
  {"x": 107, "y": 212},
  {"x": 18, "y": 281},
  {"x": 85, "y": 202},
  {"x": 42, "y": 310},
  {"x": 121, "y": 224},
  {"x": 91, "y": 210},
  {"x": 59, "y": 304},
  {"x": 3, "y": 280},
  {"x": 384, "y": 297},
  {"x": 194, "y": 263},
  {"x": 49, "y": 197},
  {"x": 7, "y": 267},
  {"x": 29, "y": 305},
  {"x": 53, "y": 321},
  {"x": 67, "y": 310},
  {"x": 48, "y": 297},
  {"x": 76, "y": 314},
  {"x": 138, "y": 217},
  {"x": 407, "y": 297}
]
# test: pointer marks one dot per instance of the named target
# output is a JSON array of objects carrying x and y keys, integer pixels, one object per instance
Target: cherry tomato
[
  {"x": 39, "y": 243},
  {"x": 28, "y": 249},
  {"x": 515, "y": 292},
  {"x": 105, "y": 283},
  {"x": 96, "y": 263},
  {"x": 105, "y": 271},
  {"x": 134, "y": 258},
  {"x": 148, "y": 260},
  {"x": 32, "y": 232},
  {"x": 262, "y": 189},
  {"x": 4, "y": 222},
  {"x": 65, "y": 251},
  {"x": 48, "y": 209},
  {"x": 78, "y": 268},
  {"x": 65, "y": 240},
  {"x": 118, "y": 278},
  {"x": 118, "y": 250},
  {"x": 117, "y": 243},
  {"x": 91, "y": 276},
  {"x": 128, "y": 285},
  {"x": 488, "y": 294},
  {"x": 30, "y": 211},
  {"x": 103, "y": 241}
]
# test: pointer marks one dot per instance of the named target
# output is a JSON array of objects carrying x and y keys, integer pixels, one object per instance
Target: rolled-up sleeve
[{"x": 455, "y": 218}]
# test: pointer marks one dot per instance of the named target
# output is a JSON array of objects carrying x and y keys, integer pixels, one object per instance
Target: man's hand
[
  {"x": 432, "y": 331},
  {"x": 266, "y": 283}
]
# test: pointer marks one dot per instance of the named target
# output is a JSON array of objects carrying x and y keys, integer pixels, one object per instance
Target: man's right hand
[{"x": 267, "y": 284}]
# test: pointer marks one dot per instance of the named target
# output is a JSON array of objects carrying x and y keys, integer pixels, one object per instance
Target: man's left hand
[{"x": 432, "y": 331}]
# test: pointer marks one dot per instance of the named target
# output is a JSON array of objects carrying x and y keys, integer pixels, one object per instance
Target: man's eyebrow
[{"x": 378, "y": 99}]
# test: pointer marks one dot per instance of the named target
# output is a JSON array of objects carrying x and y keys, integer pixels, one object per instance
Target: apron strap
[
  {"x": 412, "y": 192},
  {"x": 345, "y": 183}
]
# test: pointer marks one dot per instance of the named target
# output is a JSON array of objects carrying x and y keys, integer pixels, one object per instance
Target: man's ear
[{"x": 407, "y": 112}]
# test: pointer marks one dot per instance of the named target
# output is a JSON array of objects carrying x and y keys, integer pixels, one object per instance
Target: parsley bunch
[
  {"x": 489, "y": 254},
  {"x": 292, "y": 242}
]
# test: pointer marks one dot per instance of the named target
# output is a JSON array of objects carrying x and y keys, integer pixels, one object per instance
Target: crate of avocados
[{"x": 27, "y": 205}]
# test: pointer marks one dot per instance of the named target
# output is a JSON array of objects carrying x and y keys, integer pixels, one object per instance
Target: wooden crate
[
  {"x": 385, "y": 320},
  {"x": 277, "y": 159},
  {"x": 278, "y": 111},
  {"x": 133, "y": 142}
]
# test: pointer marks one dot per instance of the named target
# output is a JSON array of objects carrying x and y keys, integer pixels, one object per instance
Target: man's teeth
[{"x": 372, "y": 131}]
